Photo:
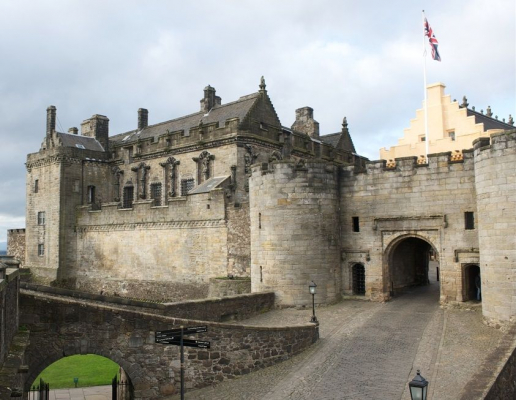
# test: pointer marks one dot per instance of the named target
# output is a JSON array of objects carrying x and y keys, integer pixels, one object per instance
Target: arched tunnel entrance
[
  {"x": 412, "y": 262},
  {"x": 83, "y": 376}
]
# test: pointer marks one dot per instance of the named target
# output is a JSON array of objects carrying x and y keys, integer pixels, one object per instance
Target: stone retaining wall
[
  {"x": 61, "y": 327},
  {"x": 214, "y": 309}
]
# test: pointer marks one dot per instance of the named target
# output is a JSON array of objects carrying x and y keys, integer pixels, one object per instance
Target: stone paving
[
  {"x": 90, "y": 393},
  {"x": 371, "y": 351}
]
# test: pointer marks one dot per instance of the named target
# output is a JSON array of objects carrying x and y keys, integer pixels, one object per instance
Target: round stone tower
[
  {"x": 295, "y": 231},
  {"x": 495, "y": 182}
]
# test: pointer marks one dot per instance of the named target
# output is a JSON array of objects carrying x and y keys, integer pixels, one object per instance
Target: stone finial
[
  {"x": 143, "y": 118},
  {"x": 464, "y": 103},
  {"x": 473, "y": 108},
  {"x": 489, "y": 112},
  {"x": 482, "y": 111},
  {"x": 511, "y": 121},
  {"x": 262, "y": 83},
  {"x": 496, "y": 116},
  {"x": 344, "y": 124},
  {"x": 503, "y": 120}
]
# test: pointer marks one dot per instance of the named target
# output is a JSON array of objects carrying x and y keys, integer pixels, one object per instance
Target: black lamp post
[
  {"x": 418, "y": 387},
  {"x": 312, "y": 287}
]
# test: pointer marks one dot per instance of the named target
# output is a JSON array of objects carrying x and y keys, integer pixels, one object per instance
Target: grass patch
[{"x": 92, "y": 370}]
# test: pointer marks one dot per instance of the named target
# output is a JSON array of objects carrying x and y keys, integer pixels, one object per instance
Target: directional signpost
[{"x": 175, "y": 337}]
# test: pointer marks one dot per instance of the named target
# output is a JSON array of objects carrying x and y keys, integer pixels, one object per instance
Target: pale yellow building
[{"x": 451, "y": 127}]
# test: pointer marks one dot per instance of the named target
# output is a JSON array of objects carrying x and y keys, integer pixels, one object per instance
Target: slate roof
[
  {"x": 79, "y": 141},
  {"x": 209, "y": 185},
  {"x": 489, "y": 123},
  {"x": 332, "y": 138},
  {"x": 236, "y": 109}
]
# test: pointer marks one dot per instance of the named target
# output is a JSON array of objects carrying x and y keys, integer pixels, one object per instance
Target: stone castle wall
[
  {"x": 410, "y": 200},
  {"x": 495, "y": 181},
  {"x": 294, "y": 231},
  {"x": 167, "y": 252},
  {"x": 16, "y": 245}
]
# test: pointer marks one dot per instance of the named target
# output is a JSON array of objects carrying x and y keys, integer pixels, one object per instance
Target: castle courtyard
[{"x": 372, "y": 350}]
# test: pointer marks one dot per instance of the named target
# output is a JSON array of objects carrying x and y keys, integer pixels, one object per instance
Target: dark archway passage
[
  {"x": 471, "y": 277},
  {"x": 409, "y": 264}
]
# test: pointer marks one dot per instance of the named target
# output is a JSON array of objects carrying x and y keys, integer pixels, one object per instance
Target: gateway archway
[{"x": 412, "y": 261}]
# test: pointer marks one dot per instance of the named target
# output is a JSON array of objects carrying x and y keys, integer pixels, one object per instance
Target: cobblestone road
[{"x": 370, "y": 351}]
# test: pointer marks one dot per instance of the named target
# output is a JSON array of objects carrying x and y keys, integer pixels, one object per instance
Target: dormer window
[{"x": 80, "y": 146}]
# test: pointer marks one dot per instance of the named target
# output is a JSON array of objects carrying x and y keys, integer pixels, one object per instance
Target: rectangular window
[
  {"x": 41, "y": 249},
  {"x": 36, "y": 185},
  {"x": 451, "y": 135},
  {"x": 41, "y": 218},
  {"x": 422, "y": 138},
  {"x": 91, "y": 194},
  {"x": 128, "y": 197},
  {"x": 356, "y": 224},
  {"x": 187, "y": 185},
  {"x": 469, "y": 220},
  {"x": 155, "y": 193}
]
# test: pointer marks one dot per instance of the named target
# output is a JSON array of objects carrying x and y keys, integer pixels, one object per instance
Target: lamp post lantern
[
  {"x": 418, "y": 387},
  {"x": 312, "y": 287}
]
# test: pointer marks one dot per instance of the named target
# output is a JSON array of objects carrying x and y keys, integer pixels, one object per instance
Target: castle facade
[{"x": 158, "y": 211}]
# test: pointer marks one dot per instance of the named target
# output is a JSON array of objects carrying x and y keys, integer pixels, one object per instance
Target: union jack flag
[{"x": 433, "y": 41}]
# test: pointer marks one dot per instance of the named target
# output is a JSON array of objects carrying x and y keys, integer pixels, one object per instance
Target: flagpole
[{"x": 427, "y": 140}]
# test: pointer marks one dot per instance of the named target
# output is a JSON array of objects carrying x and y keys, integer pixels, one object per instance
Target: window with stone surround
[
  {"x": 451, "y": 135},
  {"x": 91, "y": 194},
  {"x": 128, "y": 197},
  {"x": 41, "y": 218},
  {"x": 469, "y": 220},
  {"x": 356, "y": 224},
  {"x": 187, "y": 185},
  {"x": 41, "y": 249},
  {"x": 155, "y": 193}
]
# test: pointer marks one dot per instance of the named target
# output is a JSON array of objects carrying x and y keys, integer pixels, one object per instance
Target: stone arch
[
  {"x": 415, "y": 243},
  {"x": 38, "y": 366}
]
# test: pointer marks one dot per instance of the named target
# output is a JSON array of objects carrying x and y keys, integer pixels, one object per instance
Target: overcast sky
[{"x": 360, "y": 59}]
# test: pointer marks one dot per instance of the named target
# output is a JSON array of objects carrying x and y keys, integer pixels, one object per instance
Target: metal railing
[{"x": 40, "y": 392}]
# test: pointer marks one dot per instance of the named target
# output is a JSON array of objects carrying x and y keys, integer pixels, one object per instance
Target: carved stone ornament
[
  {"x": 118, "y": 173},
  {"x": 249, "y": 158},
  {"x": 173, "y": 163},
  {"x": 275, "y": 156}
]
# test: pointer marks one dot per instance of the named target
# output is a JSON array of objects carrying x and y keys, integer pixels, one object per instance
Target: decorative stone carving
[
  {"x": 172, "y": 174},
  {"x": 118, "y": 173},
  {"x": 275, "y": 156},
  {"x": 489, "y": 113},
  {"x": 204, "y": 165},
  {"x": 142, "y": 170},
  {"x": 249, "y": 157}
]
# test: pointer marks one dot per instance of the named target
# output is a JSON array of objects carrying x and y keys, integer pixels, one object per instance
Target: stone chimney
[
  {"x": 305, "y": 122},
  {"x": 210, "y": 100},
  {"x": 143, "y": 118},
  {"x": 51, "y": 120},
  {"x": 73, "y": 131},
  {"x": 97, "y": 127}
]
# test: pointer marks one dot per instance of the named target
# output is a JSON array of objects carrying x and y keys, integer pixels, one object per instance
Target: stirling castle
[{"x": 228, "y": 191}]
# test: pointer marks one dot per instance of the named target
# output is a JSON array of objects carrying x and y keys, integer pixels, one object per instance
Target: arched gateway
[{"x": 410, "y": 260}]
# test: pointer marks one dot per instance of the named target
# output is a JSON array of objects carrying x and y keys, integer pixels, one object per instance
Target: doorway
[
  {"x": 471, "y": 281},
  {"x": 358, "y": 272}
]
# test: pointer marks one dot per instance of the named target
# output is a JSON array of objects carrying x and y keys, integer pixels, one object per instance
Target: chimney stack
[
  {"x": 51, "y": 119},
  {"x": 97, "y": 127},
  {"x": 210, "y": 100},
  {"x": 73, "y": 131},
  {"x": 305, "y": 122},
  {"x": 143, "y": 118}
]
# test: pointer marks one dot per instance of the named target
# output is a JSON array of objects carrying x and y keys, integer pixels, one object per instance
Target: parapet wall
[
  {"x": 127, "y": 337},
  {"x": 16, "y": 244},
  {"x": 9, "y": 305},
  {"x": 495, "y": 182},
  {"x": 295, "y": 231}
]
